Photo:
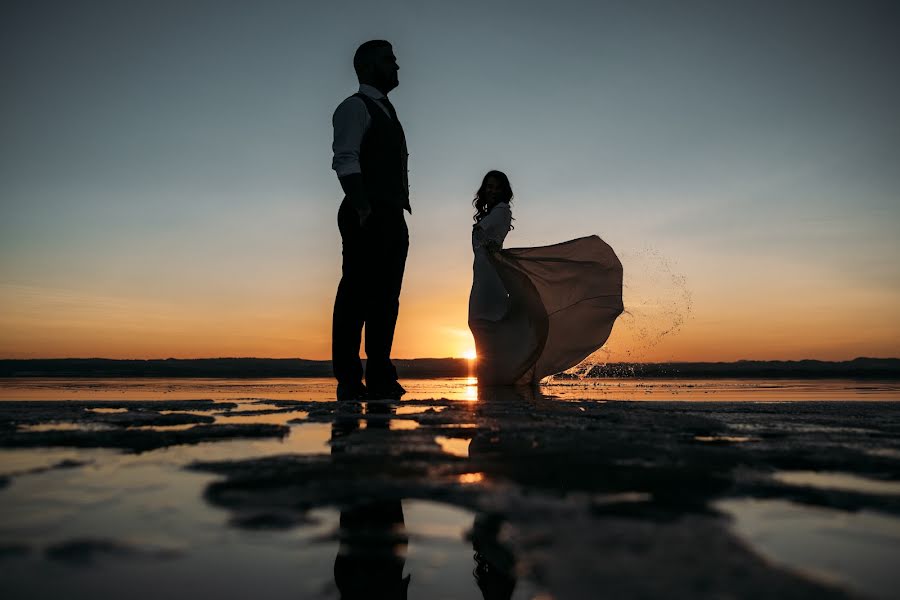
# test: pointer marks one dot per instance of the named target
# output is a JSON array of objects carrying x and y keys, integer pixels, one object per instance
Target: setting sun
[{"x": 470, "y": 354}]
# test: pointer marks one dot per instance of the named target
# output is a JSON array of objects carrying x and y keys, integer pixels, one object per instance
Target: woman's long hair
[{"x": 481, "y": 205}]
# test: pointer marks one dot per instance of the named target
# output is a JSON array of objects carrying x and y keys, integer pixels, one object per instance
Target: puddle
[
  {"x": 723, "y": 439},
  {"x": 454, "y": 554},
  {"x": 417, "y": 410},
  {"x": 858, "y": 549},
  {"x": 253, "y": 407},
  {"x": 65, "y": 427},
  {"x": 470, "y": 478},
  {"x": 430, "y": 543},
  {"x": 795, "y": 428},
  {"x": 309, "y": 438},
  {"x": 407, "y": 424},
  {"x": 21, "y": 460},
  {"x": 164, "y": 427},
  {"x": 838, "y": 481},
  {"x": 884, "y": 452},
  {"x": 281, "y": 418},
  {"x": 454, "y": 446}
]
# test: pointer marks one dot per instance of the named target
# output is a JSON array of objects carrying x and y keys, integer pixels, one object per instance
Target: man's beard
[{"x": 389, "y": 83}]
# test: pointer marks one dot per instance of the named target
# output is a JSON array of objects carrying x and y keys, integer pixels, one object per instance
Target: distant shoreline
[{"x": 426, "y": 368}]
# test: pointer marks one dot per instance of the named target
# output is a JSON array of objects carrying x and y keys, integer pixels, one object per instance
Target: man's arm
[
  {"x": 352, "y": 184},
  {"x": 350, "y": 121}
]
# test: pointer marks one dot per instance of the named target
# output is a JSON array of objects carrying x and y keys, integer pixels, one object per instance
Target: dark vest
[{"x": 381, "y": 160}]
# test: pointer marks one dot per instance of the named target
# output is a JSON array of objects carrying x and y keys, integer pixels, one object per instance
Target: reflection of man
[
  {"x": 373, "y": 539},
  {"x": 371, "y": 558},
  {"x": 370, "y": 159}
]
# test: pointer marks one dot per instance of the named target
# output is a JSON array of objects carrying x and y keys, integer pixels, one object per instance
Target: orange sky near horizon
[
  {"x": 690, "y": 305},
  {"x": 683, "y": 325}
]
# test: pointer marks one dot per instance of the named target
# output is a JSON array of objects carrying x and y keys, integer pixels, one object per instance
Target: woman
[{"x": 535, "y": 311}]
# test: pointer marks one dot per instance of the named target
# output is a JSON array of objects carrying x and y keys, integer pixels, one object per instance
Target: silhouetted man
[{"x": 370, "y": 159}]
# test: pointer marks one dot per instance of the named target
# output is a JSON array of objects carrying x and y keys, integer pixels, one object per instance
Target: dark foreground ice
[{"x": 500, "y": 493}]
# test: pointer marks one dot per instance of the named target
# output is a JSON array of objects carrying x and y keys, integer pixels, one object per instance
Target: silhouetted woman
[{"x": 535, "y": 311}]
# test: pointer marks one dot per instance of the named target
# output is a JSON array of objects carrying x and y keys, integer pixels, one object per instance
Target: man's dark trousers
[{"x": 368, "y": 294}]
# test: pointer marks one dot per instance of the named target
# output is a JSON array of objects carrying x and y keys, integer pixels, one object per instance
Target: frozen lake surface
[{"x": 270, "y": 488}]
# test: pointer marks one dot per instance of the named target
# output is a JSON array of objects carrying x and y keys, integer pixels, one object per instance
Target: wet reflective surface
[
  {"x": 466, "y": 388},
  {"x": 271, "y": 489}
]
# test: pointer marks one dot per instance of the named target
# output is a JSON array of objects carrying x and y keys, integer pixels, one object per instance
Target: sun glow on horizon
[{"x": 470, "y": 354}]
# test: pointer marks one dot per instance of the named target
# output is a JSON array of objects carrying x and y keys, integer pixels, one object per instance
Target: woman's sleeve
[{"x": 498, "y": 222}]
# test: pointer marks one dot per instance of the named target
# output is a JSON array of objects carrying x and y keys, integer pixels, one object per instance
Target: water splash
[{"x": 658, "y": 304}]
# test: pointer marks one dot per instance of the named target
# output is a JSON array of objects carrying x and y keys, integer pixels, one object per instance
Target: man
[{"x": 370, "y": 160}]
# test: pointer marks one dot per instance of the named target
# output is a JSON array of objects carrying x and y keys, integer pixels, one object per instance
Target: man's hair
[{"x": 365, "y": 55}]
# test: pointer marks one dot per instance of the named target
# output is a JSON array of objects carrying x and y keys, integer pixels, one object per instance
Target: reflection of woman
[
  {"x": 536, "y": 311},
  {"x": 494, "y": 564},
  {"x": 373, "y": 540}
]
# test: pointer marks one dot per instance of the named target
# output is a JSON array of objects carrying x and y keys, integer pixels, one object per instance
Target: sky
[{"x": 166, "y": 191}]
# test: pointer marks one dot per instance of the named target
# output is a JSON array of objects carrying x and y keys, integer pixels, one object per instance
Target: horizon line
[{"x": 171, "y": 358}]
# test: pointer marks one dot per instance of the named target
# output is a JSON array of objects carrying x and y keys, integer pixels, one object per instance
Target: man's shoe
[
  {"x": 350, "y": 392},
  {"x": 390, "y": 390}
]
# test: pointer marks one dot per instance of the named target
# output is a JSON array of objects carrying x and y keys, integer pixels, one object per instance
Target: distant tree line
[{"x": 421, "y": 368}]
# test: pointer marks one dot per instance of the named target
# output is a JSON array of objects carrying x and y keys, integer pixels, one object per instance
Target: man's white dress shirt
[{"x": 351, "y": 120}]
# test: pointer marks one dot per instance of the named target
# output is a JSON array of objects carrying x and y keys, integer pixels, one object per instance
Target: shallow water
[
  {"x": 466, "y": 388},
  {"x": 858, "y": 550},
  {"x": 170, "y": 542},
  {"x": 472, "y": 493}
]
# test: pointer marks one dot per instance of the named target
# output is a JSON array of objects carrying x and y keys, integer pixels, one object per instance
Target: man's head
[{"x": 376, "y": 65}]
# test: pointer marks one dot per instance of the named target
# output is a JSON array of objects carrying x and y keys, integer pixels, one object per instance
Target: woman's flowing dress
[{"x": 537, "y": 311}]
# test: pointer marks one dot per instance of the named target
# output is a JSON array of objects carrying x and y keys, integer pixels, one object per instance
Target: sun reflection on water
[{"x": 471, "y": 392}]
